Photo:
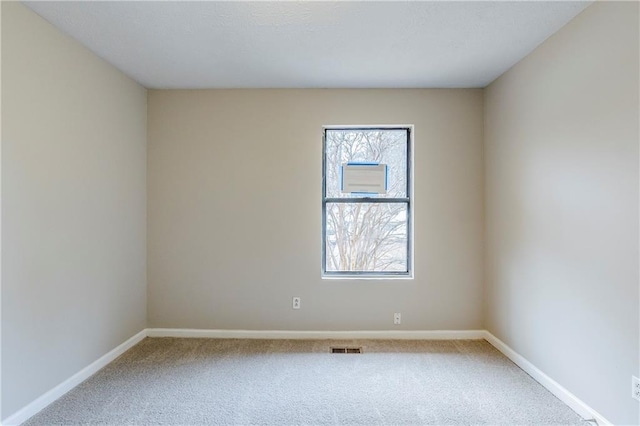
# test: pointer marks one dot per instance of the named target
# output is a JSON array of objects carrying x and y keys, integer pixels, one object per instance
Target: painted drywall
[
  {"x": 234, "y": 202},
  {"x": 561, "y": 138},
  {"x": 74, "y": 207},
  {"x": 1, "y": 417}
]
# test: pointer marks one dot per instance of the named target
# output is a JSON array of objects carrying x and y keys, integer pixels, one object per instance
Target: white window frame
[{"x": 409, "y": 200}]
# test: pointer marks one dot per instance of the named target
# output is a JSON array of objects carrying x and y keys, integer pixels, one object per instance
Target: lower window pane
[{"x": 366, "y": 237}]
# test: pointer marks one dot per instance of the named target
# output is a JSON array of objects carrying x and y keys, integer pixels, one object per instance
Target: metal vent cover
[{"x": 345, "y": 350}]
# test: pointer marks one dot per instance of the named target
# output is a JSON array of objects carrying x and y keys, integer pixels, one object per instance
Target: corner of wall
[{"x": 1, "y": 7}]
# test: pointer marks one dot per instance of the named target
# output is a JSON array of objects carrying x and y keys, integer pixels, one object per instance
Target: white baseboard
[
  {"x": 551, "y": 385},
  {"x": 73, "y": 381},
  {"x": 300, "y": 334}
]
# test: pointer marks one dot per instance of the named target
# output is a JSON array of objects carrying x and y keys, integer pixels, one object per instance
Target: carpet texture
[{"x": 167, "y": 381}]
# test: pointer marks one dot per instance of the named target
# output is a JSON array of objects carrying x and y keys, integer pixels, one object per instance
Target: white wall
[
  {"x": 234, "y": 231},
  {"x": 74, "y": 207},
  {"x": 561, "y": 137},
  {"x": 1, "y": 416}
]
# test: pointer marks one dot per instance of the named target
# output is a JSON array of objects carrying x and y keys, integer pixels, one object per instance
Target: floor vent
[{"x": 346, "y": 350}]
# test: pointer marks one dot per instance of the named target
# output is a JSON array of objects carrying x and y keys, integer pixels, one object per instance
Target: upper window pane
[{"x": 383, "y": 146}]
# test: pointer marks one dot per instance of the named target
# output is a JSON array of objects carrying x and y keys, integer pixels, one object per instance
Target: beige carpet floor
[{"x": 166, "y": 381}]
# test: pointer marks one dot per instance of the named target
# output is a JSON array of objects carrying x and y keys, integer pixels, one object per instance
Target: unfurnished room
[{"x": 320, "y": 213}]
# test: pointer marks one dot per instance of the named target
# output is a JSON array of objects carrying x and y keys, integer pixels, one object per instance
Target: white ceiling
[{"x": 300, "y": 44}]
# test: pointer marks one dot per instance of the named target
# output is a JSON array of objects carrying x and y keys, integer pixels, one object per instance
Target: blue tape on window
[
  {"x": 361, "y": 163},
  {"x": 386, "y": 177}
]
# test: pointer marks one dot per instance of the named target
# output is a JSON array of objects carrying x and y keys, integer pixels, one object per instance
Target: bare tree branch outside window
[{"x": 371, "y": 234}]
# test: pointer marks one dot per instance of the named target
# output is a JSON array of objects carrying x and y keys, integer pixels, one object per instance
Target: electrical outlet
[
  {"x": 635, "y": 388},
  {"x": 397, "y": 318},
  {"x": 296, "y": 303}
]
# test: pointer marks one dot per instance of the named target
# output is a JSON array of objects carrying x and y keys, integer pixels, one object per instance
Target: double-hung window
[{"x": 366, "y": 202}]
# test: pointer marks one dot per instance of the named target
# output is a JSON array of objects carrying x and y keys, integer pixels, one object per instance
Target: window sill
[{"x": 368, "y": 277}]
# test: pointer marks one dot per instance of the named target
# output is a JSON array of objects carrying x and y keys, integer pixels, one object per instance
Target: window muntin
[{"x": 367, "y": 234}]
